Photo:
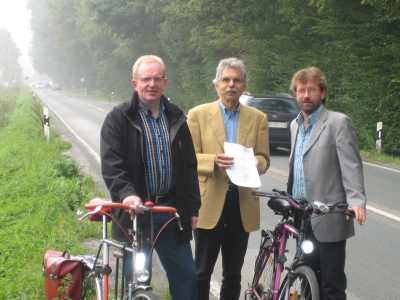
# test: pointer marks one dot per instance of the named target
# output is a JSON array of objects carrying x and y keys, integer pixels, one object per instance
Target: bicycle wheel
[
  {"x": 145, "y": 295},
  {"x": 304, "y": 285},
  {"x": 264, "y": 271},
  {"x": 92, "y": 288}
]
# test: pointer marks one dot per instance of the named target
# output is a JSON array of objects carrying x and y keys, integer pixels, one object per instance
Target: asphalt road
[{"x": 373, "y": 254}]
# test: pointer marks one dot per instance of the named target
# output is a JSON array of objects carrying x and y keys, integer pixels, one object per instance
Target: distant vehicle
[
  {"x": 55, "y": 86},
  {"x": 281, "y": 110},
  {"x": 41, "y": 85}
]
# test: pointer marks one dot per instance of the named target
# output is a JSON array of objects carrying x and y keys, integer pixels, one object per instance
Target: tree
[{"x": 10, "y": 70}]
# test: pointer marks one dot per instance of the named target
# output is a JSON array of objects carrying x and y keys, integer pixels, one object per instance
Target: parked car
[{"x": 281, "y": 110}]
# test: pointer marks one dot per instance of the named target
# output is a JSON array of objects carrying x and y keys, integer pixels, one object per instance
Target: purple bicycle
[{"x": 299, "y": 281}]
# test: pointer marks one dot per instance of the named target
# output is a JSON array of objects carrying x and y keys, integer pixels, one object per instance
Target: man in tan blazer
[{"x": 228, "y": 213}]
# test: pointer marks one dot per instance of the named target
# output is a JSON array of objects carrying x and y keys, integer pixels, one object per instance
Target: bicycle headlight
[
  {"x": 307, "y": 246},
  {"x": 141, "y": 273}
]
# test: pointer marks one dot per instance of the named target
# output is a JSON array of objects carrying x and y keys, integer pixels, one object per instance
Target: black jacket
[{"x": 123, "y": 168}]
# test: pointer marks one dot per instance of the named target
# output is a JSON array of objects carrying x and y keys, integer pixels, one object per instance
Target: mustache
[{"x": 231, "y": 90}]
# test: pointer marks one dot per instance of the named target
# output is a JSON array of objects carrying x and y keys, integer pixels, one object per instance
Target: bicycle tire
[
  {"x": 92, "y": 288},
  {"x": 264, "y": 271},
  {"x": 304, "y": 285},
  {"x": 145, "y": 295}
]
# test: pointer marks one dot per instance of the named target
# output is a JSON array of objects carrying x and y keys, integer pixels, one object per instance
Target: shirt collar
[
  {"x": 146, "y": 110},
  {"x": 226, "y": 110},
  {"x": 313, "y": 118}
]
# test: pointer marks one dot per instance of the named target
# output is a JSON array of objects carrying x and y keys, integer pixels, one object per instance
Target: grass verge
[
  {"x": 40, "y": 191},
  {"x": 381, "y": 158}
]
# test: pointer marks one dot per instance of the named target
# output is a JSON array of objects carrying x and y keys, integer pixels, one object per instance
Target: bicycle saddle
[{"x": 278, "y": 205}]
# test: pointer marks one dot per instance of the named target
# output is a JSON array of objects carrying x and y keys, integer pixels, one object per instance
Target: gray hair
[
  {"x": 146, "y": 59},
  {"x": 231, "y": 62}
]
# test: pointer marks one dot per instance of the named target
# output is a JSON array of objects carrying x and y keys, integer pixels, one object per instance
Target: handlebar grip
[{"x": 106, "y": 206}]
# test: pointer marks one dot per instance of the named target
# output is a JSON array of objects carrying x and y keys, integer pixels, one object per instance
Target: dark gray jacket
[{"x": 123, "y": 167}]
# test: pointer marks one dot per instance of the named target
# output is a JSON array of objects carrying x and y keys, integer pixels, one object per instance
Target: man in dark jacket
[{"x": 147, "y": 153}]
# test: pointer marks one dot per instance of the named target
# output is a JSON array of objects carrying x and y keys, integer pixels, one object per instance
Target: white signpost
[
  {"x": 379, "y": 127},
  {"x": 46, "y": 123}
]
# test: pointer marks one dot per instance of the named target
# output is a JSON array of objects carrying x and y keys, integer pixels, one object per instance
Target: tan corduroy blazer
[{"x": 208, "y": 133}]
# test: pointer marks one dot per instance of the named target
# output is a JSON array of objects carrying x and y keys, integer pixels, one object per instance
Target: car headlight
[
  {"x": 141, "y": 273},
  {"x": 307, "y": 246}
]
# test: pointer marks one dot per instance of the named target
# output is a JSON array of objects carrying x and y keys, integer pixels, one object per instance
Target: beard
[{"x": 309, "y": 107}]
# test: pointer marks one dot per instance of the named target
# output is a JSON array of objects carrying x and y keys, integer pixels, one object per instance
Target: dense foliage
[
  {"x": 10, "y": 71},
  {"x": 356, "y": 43},
  {"x": 40, "y": 190}
]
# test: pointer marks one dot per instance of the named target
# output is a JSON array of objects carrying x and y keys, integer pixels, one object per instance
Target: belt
[{"x": 168, "y": 198}]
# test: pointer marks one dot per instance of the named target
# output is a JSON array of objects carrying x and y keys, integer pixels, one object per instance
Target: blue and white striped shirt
[
  {"x": 231, "y": 120},
  {"x": 303, "y": 138},
  {"x": 157, "y": 152}
]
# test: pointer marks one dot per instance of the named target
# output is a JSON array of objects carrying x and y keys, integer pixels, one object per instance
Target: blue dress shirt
[{"x": 303, "y": 137}]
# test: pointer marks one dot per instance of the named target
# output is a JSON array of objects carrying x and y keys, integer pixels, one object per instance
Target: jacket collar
[
  {"x": 131, "y": 109},
  {"x": 319, "y": 127}
]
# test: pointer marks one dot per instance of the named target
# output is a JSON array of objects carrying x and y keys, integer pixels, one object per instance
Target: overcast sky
[{"x": 15, "y": 17}]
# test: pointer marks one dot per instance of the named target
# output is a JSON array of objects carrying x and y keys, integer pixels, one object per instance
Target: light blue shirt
[
  {"x": 303, "y": 138},
  {"x": 231, "y": 120}
]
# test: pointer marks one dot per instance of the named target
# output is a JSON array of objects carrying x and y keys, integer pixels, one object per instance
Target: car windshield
[{"x": 278, "y": 105}]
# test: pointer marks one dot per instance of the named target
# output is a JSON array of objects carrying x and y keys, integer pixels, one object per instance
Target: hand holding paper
[{"x": 243, "y": 172}]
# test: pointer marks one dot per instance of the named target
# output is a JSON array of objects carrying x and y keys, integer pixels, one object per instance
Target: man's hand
[
  {"x": 360, "y": 214},
  {"x": 135, "y": 202},
  {"x": 223, "y": 161},
  {"x": 194, "y": 222}
]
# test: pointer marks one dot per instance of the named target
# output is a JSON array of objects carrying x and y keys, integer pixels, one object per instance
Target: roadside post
[
  {"x": 378, "y": 143},
  {"x": 46, "y": 123},
  {"x": 84, "y": 88}
]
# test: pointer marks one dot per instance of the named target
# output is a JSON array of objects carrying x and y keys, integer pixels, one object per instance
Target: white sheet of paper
[{"x": 244, "y": 171}]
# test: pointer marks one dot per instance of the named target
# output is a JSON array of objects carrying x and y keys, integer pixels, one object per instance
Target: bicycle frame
[
  {"x": 142, "y": 242},
  {"x": 280, "y": 236},
  {"x": 274, "y": 243}
]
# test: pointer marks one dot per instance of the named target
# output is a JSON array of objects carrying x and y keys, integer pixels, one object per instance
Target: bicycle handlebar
[
  {"x": 315, "y": 207},
  {"x": 102, "y": 206}
]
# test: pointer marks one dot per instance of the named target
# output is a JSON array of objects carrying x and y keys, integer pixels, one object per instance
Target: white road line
[
  {"x": 383, "y": 213},
  {"x": 82, "y": 141},
  {"x": 97, "y": 108},
  {"x": 215, "y": 288},
  {"x": 381, "y": 167},
  {"x": 281, "y": 175}
]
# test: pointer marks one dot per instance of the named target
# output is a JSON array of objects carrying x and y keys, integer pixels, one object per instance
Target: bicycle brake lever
[{"x": 92, "y": 212}]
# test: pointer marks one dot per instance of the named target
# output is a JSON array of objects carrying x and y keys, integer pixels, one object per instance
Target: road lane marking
[
  {"x": 215, "y": 288},
  {"x": 97, "y": 108},
  {"x": 282, "y": 176},
  {"x": 383, "y": 213},
  {"x": 382, "y": 167},
  {"x": 81, "y": 140}
]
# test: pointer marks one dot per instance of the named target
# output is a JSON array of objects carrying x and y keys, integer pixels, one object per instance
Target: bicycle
[
  {"x": 97, "y": 271},
  {"x": 300, "y": 281}
]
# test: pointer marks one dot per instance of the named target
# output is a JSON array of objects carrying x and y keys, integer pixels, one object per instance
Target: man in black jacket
[{"x": 147, "y": 153}]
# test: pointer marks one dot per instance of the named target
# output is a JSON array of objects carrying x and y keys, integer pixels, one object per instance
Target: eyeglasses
[
  {"x": 156, "y": 80},
  {"x": 310, "y": 91},
  {"x": 229, "y": 79}
]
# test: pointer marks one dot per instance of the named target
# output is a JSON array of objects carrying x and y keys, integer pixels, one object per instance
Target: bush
[
  {"x": 7, "y": 105},
  {"x": 41, "y": 189}
]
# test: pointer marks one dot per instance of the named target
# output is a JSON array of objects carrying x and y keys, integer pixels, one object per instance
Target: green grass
[
  {"x": 40, "y": 190},
  {"x": 381, "y": 158}
]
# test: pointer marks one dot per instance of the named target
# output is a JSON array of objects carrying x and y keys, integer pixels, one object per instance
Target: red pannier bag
[{"x": 63, "y": 276}]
